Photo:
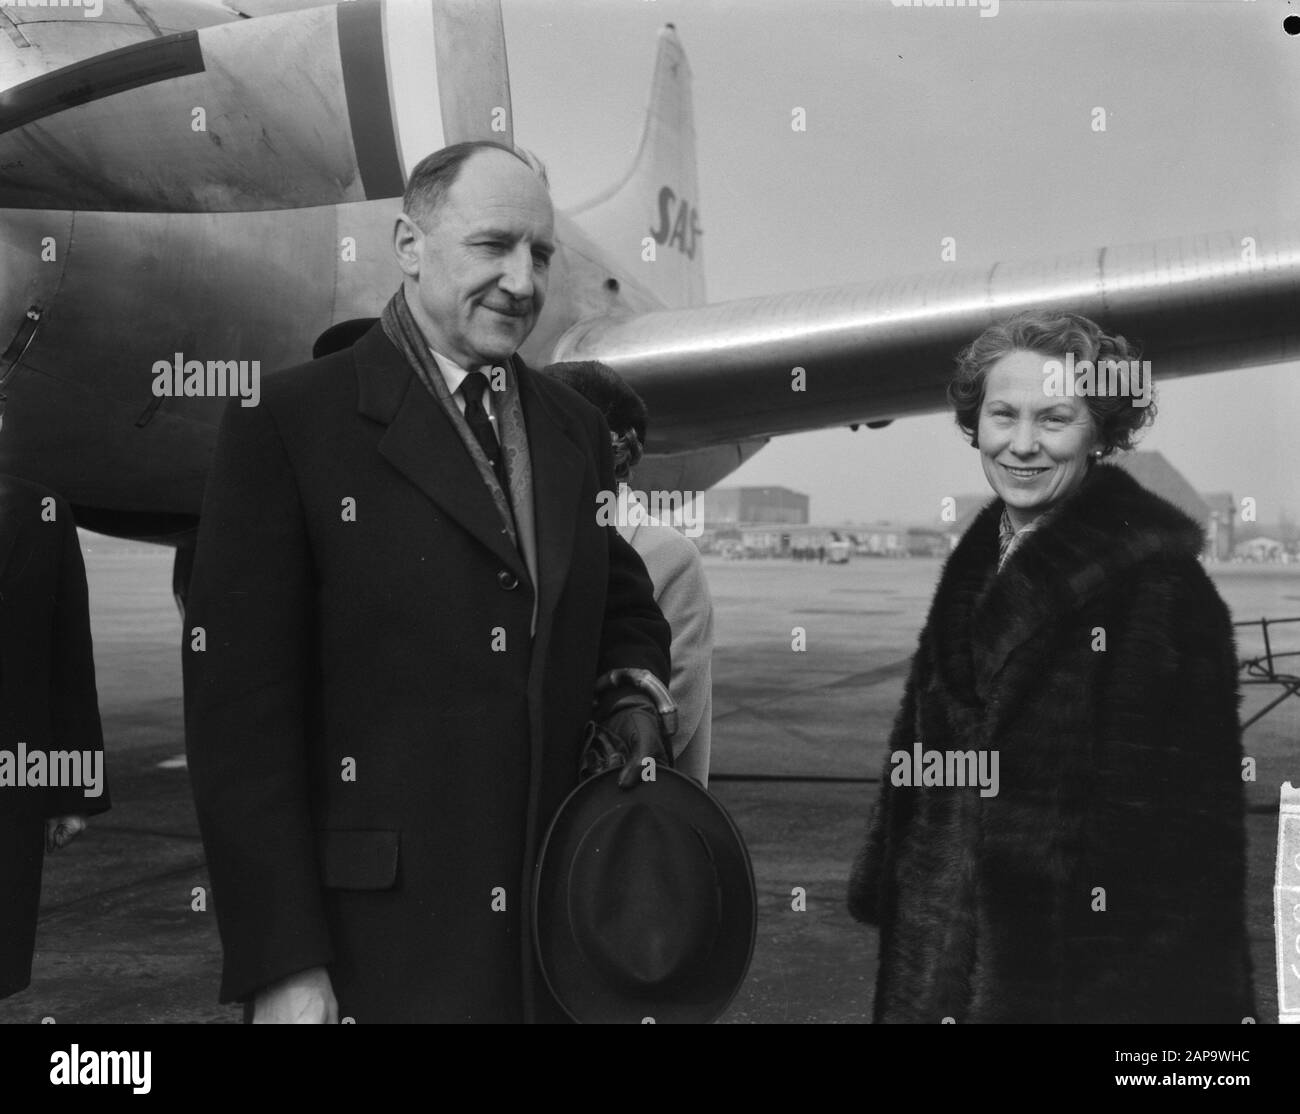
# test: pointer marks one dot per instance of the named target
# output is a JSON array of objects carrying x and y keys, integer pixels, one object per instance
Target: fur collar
[{"x": 1104, "y": 529}]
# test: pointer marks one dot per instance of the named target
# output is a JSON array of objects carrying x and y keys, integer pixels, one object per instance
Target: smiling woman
[
  {"x": 1036, "y": 440},
  {"x": 1076, "y": 643}
]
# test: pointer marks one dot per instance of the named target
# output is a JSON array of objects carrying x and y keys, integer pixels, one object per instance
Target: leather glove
[{"x": 627, "y": 730}]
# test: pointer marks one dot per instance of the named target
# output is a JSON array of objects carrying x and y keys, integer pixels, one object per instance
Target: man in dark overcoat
[
  {"x": 401, "y": 603},
  {"x": 49, "y": 710}
]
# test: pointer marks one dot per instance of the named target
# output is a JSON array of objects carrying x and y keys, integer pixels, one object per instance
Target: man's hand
[
  {"x": 305, "y": 998},
  {"x": 62, "y": 830},
  {"x": 638, "y": 728},
  {"x": 629, "y": 732}
]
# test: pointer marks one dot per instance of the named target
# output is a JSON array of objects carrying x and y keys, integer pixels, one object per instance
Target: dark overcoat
[
  {"x": 375, "y": 746},
  {"x": 1105, "y": 880},
  {"x": 47, "y": 698}
]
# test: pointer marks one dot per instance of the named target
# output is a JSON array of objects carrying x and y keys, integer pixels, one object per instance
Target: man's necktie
[{"x": 472, "y": 388}]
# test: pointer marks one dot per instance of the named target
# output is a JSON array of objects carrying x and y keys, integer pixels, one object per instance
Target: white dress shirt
[{"x": 454, "y": 375}]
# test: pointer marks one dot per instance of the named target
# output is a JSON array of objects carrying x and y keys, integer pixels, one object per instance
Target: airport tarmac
[{"x": 799, "y": 740}]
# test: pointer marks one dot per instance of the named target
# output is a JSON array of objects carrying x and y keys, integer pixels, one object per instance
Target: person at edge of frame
[
  {"x": 49, "y": 708},
  {"x": 674, "y": 564},
  {"x": 408, "y": 605},
  {"x": 1078, "y": 652}
]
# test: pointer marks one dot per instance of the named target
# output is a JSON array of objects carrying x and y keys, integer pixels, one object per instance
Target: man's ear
[{"x": 407, "y": 238}]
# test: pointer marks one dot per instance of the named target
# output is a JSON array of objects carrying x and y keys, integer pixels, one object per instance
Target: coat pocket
[{"x": 351, "y": 859}]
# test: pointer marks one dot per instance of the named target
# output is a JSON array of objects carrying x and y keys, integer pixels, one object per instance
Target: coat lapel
[
  {"x": 557, "y": 465},
  {"x": 423, "y": 445}
]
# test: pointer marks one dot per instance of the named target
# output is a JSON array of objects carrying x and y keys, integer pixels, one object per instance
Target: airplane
[{"x": 194, "y": 180}]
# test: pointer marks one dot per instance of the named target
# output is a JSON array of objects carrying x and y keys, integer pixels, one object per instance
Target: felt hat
[{"x": 644, "y": 904}]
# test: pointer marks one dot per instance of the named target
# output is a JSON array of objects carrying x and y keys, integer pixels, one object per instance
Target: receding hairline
[{"x": 427, "y": 191}]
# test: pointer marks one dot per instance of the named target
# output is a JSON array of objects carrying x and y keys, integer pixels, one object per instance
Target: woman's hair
[{"x": 1056, "y": 335}]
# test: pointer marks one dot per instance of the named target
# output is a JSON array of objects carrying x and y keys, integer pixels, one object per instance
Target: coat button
[{"x": 507, "y": 580}]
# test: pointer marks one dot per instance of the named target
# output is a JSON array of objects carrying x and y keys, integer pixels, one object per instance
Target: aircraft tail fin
[{"x": 649, "y": 221}]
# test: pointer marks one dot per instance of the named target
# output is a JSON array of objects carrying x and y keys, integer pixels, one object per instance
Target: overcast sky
[{"x": 925, "y": 123}]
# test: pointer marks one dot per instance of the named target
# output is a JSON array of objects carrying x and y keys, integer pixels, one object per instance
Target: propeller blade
[{"x": 321, "y": 106}]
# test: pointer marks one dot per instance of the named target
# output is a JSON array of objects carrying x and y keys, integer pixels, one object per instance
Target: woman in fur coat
[{"x": 1060, "y": 831}]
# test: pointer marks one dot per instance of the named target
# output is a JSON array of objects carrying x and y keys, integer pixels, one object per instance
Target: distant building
[
  {"x": 1221, "y": 533},
  {"x": 894, "y": 539},
  {"x": 926, "y": 541},
  {"x": 1158, "y": 476},
  {"x": 1261, "y": 549},
  {"x": 811, "y": 541},
  {"x": 770, "y": 540},
  {"x": 734, "y": 506},
  {"x": 882, "y": 539}
]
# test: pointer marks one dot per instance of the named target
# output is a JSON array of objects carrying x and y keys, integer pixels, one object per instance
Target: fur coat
[{"x": 1104, "y": 881}]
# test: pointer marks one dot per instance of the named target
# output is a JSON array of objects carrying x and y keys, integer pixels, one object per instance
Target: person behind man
[
  {"x": 674, "y": 564},
  {"x": 48, "y": 704},
  {"x": 406, "y": 603}
]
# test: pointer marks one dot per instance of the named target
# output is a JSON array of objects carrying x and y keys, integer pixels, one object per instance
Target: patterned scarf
[
  {"x": 1010, "y": 539},
  {"x": 405, "y": 334}
]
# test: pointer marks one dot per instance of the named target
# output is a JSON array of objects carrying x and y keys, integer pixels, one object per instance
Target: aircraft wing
[
  {"x": 877, "y": 351},
  {"x": 319, "y": 106}
]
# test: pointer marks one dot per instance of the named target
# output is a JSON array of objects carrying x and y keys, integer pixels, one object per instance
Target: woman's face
[{"x": 1034, "y": 447}]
